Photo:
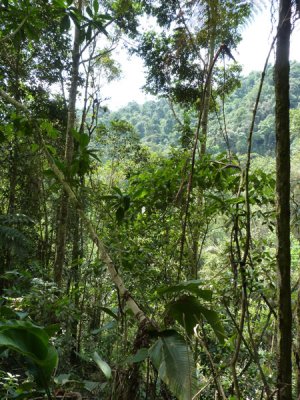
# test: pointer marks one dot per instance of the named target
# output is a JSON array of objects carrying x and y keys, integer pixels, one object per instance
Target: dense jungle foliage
[{"x": 141, "y": 252}]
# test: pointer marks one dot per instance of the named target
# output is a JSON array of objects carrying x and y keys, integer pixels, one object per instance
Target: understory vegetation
[{"x": 141, "y": 252}]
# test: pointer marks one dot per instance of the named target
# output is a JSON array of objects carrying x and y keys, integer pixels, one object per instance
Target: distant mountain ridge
[{"x": 157, "y": 126}]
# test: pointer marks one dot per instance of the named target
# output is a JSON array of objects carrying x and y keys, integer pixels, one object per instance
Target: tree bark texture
[{"x": 281, "y": 76}]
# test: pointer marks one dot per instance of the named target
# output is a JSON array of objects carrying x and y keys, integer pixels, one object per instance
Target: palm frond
[{"x": 174, "y": 362}]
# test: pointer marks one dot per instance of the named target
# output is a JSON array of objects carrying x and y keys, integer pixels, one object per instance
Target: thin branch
[
  {"x": 174, "y": 112},
  {"x": 214, "y": 371},
  {"x": 94, "y": 37},
  {"x": 246, "y": 249},
  {"x": 249, "y": 150},
  {"x": 11, "y": 35},
  {"x": 99, "y": 55},
  {"x": 196, "y": 139}
]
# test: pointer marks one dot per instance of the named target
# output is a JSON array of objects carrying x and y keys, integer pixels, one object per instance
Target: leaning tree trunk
[{"x": 281, "y": 76}]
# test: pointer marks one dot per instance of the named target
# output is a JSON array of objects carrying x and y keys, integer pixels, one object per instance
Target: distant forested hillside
[
  {"x": 158, "y": 127},
  {"x": 154, "y": 121}
]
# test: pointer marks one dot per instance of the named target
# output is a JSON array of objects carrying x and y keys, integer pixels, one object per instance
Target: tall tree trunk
[
  {"x": 212, "y": 10},
  {"x": 207, "y": 94},
  {"x": 7, "y": 261},
  {"x": 281, "y": 76},
  {"x": 62, "y": 223},
  {"x": 75, "y": 276},
  {"x": 297, "y": 353}
]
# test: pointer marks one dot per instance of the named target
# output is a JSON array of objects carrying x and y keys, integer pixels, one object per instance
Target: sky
[{"x": 251, "y": 53}]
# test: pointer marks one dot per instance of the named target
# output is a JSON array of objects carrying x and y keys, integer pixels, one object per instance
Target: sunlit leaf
[{"x": 105, "y": 368}]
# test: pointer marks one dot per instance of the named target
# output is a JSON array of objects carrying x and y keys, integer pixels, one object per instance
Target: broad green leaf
[
  {"x": 191, "y": 286},
  {"x": 120, "y": 214},
  {"x": 50, "y": 130},
  {"x": 7, "y": 313},
  {"x": 96, "y": 6},
  {"x": 44, "y": 369},
  {"x": 24, "y": 340},
  {"x": 51, "y": 149},
  {"x": 236, "y": 200},
  {"x": 141, "y": 355},
  {"x": 108, "y": 326},
  {"x": 126, "y": 202},
  {"x": 105, "y": 17},
  {"x": 94, "y": 154},
  {"x": 117, "y": 190},
  {"x": 109, "y": 312},
  {"x": 141, "y": 193},
  {"x": 65, "y": 23},
  {"x": 90, "y": 385},
  {"x": 88, "y": 34},
  {"x": 212, "y": 317},
  {"x": 89, "y": 11},
  {"x": 34, "y": 147},
  {"x": 174, "y": 362},
  {"x": 22, "y": 314},
  {"x": 52, "y": 329},
  {"x": 188, "y": 312},
  {"x": 73, "y": 12},
  {"x": 32, "y": 342},
  {"x": 59, "y": 3},
  {"x": 105, "y": 368},
  {"x": 62, "y": 379},
  {"x": 76, "y": 135}
]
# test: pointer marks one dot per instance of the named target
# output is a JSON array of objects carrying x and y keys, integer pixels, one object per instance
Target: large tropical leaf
[
  {"x": 192, "y": 286},
  {"x": 139, "y": 356},
  {"x": 105, "y": 368},
  {"x": 188, "y": 312},
  {"x": 32, "y": 342},
  {"x": 173, "y": 359},
  {"x": 109, "y": 312}
]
